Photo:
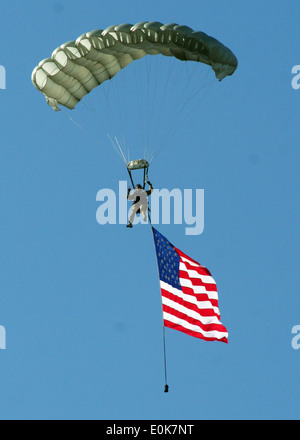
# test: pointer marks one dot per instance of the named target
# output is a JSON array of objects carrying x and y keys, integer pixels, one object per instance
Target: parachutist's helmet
[{"x": 139, "y": 186}]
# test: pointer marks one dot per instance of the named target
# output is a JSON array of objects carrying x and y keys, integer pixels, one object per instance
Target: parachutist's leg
[
  {"x": 134, "y": 209},
  {"x": 132, "y": 215},
  {"x": 143, "y": 212}
]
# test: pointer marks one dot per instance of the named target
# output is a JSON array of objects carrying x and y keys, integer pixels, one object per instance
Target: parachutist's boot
[{"x": 129, "y": 225}]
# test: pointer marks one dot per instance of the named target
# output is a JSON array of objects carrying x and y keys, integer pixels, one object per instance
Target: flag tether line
[{"x": 163, "y": 326}]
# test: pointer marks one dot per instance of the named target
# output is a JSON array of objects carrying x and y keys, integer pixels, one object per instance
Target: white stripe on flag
[
  {"x": 191, "y": 313},
  {"x": 192, "y": 263},
  {"x": 189, "y": 298},
  {"x": 210, "y": 334},
  {"x": 212, "y": 294},
  {"x": 207, "y": 279}
]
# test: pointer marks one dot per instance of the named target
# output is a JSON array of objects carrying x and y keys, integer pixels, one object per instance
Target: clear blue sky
[{"x": 81, "y": 302}]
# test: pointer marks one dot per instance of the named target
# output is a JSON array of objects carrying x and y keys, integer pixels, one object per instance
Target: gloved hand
[{"x": 149, "y": 183}]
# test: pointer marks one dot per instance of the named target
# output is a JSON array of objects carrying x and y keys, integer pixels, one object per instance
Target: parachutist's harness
[{"x": 139, "y": 164}]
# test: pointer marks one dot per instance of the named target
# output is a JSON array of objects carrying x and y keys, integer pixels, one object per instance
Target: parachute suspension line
[
  {"x": 141, "y": 111},
  {"x": 163, "y": 326},
  {"x": 95, "y": 114},
  {"x": 106, "y": 118},
  {"x": 99, "y": 119},
  {"x": 174, "y": 77},
  {"x": 163, "y": 98},
  {"x": 117, "y": 147},
  {"x": 75, "y": 122},
  {"x": 143, "y": 94},
  {"x": 174, "y": 128},
  {"x": 95, "y": 139},
  {"x": 159, "y": 88},
  {"x": 152, "y": 77},
  {"x": 168, "y": 83},
  {"x": 92, "y": 111},
  {"x": 81, "y": 127},
  {"x": 193, "y": 92},
  {"x": 158, "y": 108},
  {"x": 109, "y": 111},
  {"x": 146, "y": 100},
  {"x": 151, "y": 157}
]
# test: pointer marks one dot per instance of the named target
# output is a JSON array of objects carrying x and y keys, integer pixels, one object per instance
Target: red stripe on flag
[
  {"x": 200, "y": 296},
  {"x": 197, "y": 281},
  {"x": 191, "y": 332},
  {"x": 203, "y": 268},
  {"x": 202, "y": 327},
  {"x": 209, "y": 311}
]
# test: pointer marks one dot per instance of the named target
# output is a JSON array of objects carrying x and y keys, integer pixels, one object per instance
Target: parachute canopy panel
[{"x": 77, "y": 67}]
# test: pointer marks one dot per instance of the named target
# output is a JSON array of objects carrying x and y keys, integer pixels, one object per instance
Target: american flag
[{"x": 189, "y": 293}]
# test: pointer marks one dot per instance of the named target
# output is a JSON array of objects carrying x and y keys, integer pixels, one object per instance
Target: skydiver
[{"x": 140, "y": 202}]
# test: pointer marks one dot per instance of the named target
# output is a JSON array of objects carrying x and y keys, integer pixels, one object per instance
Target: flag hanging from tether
[{"x": 189, "y": 294}]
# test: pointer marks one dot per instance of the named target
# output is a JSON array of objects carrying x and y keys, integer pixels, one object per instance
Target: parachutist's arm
[
  {"x": 130, "y": 196},
  {"x": 150, "y": 188}
]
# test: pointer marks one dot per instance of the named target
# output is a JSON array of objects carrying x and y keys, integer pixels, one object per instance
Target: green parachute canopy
[{"x": 77, "y": 67}]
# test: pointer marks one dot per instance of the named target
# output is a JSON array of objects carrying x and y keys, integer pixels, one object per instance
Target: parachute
[{"x": 77, "y": 67}]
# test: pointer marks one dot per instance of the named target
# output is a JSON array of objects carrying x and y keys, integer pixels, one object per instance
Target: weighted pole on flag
[
  {"x": 165, "y": 361},
  {"x": 166, "y": 390}
]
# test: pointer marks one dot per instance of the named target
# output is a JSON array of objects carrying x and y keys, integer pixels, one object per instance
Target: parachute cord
[
  {"x": 119, "y": 149},
  {"x": 171, "y": 77},
  {"x": 191, "y": 92},
  {"x": 163, "y": 326},
  {"x": 171, "y": 131},
  {"x": 120, "y": 153}
]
